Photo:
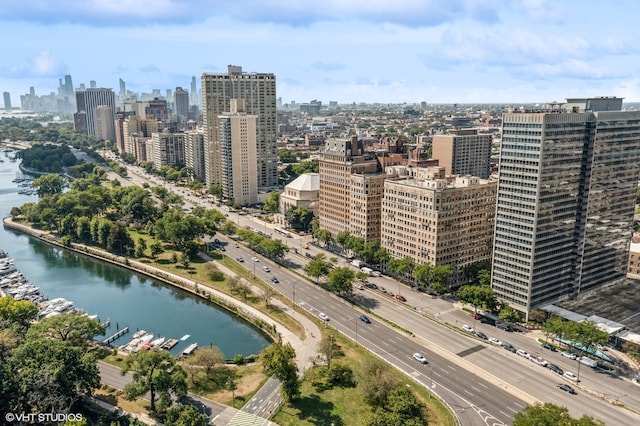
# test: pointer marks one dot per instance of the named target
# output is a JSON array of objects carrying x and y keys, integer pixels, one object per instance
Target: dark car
[
  {"x": 555, "y": 369},
  {"x": 549, "y": 346},
  {"x": 503, "y": 326},
  {"x": 565, "y": 387},
  {"x": 365, "y": 318},
  {"x": 275, "y": 280},
  {"x": 371, "y": 285},
  {"x": 509, "y": 347},
  {"x": 481, "y": 335}
]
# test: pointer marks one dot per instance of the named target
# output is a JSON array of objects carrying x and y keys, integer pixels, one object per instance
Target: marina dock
[
  {"x": 116, "y": 335},
  {"x": 189, "y": 350},
  {"x": 169, "y": 344}
]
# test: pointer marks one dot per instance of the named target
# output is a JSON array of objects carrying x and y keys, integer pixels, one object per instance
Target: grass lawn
[{"x": 346, "y": 405}]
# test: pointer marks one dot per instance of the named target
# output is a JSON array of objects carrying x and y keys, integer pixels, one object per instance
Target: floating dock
[
  {"x": 185, "y": 337},
  {"x": 189, "y": 350},
  {"x": 114, "y": 336},
  {"x": 169, "y": 344}
]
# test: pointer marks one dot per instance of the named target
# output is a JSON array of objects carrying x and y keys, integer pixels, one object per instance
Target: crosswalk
[{"x": 242, "y": 418}]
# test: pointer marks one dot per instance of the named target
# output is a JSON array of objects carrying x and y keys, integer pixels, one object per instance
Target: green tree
[
  {"x": 16, "y": 314},
  {"x": 50, "y": 184},
  {"x": 272, "y": 202},
  {"x": 53, "y": 375},
  {"x": 340, "y": 280},
  {"x": 322, "y": 235},
  {"x": 141, "y": 246},
  {"x": 204, "y": 365},
  {"x": 549, "y": 414},
  {"x": 154, "y": 371},
  {"x": 375, "y": 381},
  {"x": 156, "y": 248},
  {"x": 317, "y": 267},
  {"x": 216, "y": 191},
  {"x": 478, "y": 296},
  {"x": 554, "y": 326},
  {"x": 185, "y": 415},
  {"x": 507, "y": 313},
  {"x": 72, "y": 327},
  {"x": 279, "y": 360},
  {"x": 402, "y": 266},
  {"x": 300, "y": 218},
  {"x": 119, "y": 241}
]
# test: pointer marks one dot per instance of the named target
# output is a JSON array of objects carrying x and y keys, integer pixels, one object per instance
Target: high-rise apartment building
[
  {"x": 194, "y": 152},
  {"x": 238, "y": 133},
  {"x": 86, "y": 102},
  {"x": 351, "y": 187},
  {"x": 104, "y": 123},
  {"x": 181, "y": 102},
  {"x": 258, "y": 90},
  {"x": 168, "y": 149},
  {"x": 7, "y": 101},
  {"x": 438, "y": 219},
  {"x": 463, "y": 152},
  {"x": 566, "y": 197},
  {"x": 194, "y": 92}
]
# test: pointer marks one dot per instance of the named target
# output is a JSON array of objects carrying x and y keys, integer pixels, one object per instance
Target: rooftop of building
[{"x": 305, "y": 182}]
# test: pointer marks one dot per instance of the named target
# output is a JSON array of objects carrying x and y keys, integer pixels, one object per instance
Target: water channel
[{"x": 116, "y": 294}]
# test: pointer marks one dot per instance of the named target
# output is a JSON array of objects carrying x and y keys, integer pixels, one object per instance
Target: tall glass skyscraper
[{"x": 566, "y": 198}]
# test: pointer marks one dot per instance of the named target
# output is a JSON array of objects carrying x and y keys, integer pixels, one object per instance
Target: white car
[
  {"x": 523, "y": 353},
  {"x": 568, "y": 355},
  {"x": 418, "y": 357},
  {"x": 495, "y": 341},
  {"x": 359, "y": 286},
  {"x": 569, "y": 375},
  {"x": 323, "y": 316},
  {"x": 255, "y": 259},
  {"x": 467, "y": 327}
]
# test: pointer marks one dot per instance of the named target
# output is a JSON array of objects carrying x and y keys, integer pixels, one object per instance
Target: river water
[{"x": 115, "y": 293}]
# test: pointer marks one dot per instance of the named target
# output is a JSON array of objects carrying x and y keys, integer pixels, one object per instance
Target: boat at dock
[{"x": 185, "y": 337}]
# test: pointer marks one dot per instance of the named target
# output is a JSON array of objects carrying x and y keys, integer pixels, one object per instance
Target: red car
[
  {"x": 401, "y": 298},
  {"x": 476, "y": 316}
]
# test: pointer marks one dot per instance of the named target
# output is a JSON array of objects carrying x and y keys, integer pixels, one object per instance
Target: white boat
[
  {"x": 158, "y": 341},
  {"x": 139, "y": 334}
]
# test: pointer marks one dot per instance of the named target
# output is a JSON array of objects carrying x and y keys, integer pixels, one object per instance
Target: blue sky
[{"x": 439, "y": 51}]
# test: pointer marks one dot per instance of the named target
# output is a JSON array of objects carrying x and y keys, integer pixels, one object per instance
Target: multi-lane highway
[{"x": 483, "y": 383}]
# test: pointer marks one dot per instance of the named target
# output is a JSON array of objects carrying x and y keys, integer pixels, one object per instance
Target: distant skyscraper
[
  {"x": 123, "y": 89},
  {"x": 68, "y": 86},
  {"x": 194, "y": 100},
  {"x": 259, "y": 92},
  {"x": 7, "y": 101},
  {"x": 86, "y": 103},
  {"x": 181, "y": 104},
  {"x": 463, "y": 152},
  {"x": 92, "y": 84},
  {"x": 157, "y": 108},
  {"x": 566, "y": 198}
]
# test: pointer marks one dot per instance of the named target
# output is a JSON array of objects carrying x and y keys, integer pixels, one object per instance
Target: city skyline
[{"x": 464, "y": 51}]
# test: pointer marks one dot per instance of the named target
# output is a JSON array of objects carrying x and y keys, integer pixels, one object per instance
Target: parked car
[
  {"x": 568, "y": 355},
  {"x": 503, "y": 326},
  {"x": 509, "y": 347},
  {"x": 371, "y": 285},
  {"x": 418, "y": 357},
  {"x": 467, "y": 327},
  {"x": 476, "y": 316},
  {"x": 401, "y": 298},
  {"x": 481, "y": 335},
  {"x": 323, "y": 316},
  {"x": 565, "y": 387},
  {"x": 255, "y": 259},
  {"x": 495, "y": 341},
  {"x": 523, "y": 353},
  {"x": 275, "y": 280},
  {"x": 549, "y": 346},
  {"x": 571, "y": 376},
  {"x": 555, "y": 369},
  {"x": 239, "y": 259},
  {"x": 365, "y": 319},
  {"x": 359, "y": 286}
]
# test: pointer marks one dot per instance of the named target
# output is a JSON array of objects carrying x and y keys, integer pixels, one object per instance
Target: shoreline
[{"x": 267, "y": 325}]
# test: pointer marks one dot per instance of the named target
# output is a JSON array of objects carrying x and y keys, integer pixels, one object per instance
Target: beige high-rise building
[
  {"x": 104, "y": 123},
  {"x": 350, "y": 189},
  {"x": 463, "y": 152},
  {"x": 259, "y": 93},
  {"x": 168, "y": 149},
  {"x": 238, "y": 149},
  {"x": 438, "y": 219}
]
